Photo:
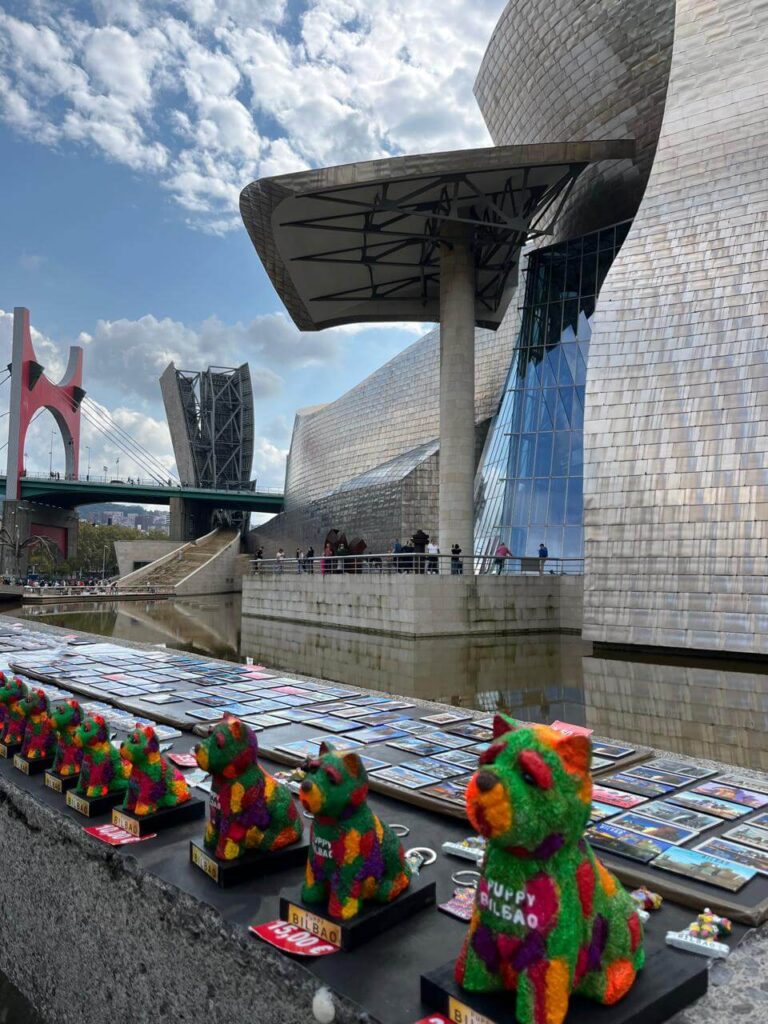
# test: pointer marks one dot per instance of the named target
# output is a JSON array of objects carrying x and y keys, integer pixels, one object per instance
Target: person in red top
[{"x": 502, "y": 553}]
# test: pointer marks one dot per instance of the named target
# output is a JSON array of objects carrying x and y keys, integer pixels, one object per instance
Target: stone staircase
[{"x": 170, "y": 570}]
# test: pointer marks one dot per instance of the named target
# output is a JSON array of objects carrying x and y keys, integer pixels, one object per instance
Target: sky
[{"x": 128, "y": 129}]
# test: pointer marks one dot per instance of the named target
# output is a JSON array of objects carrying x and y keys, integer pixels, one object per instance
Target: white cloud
[{"x": 208, "y": 94}]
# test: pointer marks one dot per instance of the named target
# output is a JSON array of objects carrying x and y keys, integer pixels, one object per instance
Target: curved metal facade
[
  {"x": 581, "y": 69},
  {"x": 676, "y": 441}
]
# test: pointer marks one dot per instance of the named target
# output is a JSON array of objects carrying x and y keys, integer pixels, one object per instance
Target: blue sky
[{"x": 128, "y": 127}]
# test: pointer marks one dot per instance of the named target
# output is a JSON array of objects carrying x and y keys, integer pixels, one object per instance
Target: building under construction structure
[{"x": 210, "y": 418}]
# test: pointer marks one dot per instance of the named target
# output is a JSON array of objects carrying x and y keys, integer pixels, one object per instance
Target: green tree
[{"x": 95, "y": 548}]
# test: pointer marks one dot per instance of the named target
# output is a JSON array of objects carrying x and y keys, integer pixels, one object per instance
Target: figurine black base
[
  {"x": 59, "y": 783},
  {"x": 372, "y": 920},
  {"x": 32, "y": 767},
  {"x": 190, "y": 810},
  {"x": 9, "y": 749},
  {"x": 93, "y": 806},
  {"x": 665, "y": 986},
  {"x": 252, "y": 864}
]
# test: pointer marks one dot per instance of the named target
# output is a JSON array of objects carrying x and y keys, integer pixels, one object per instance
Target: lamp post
[
  {"x": 104, "y": 563},
  {"x": 50, "y": 461},
  {"x": 88, "y": 471}
]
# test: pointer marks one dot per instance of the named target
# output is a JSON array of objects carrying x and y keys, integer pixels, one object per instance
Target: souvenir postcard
[
  {"x": 158, "y": 687},
  {"x": 341, "y": 744},
  {"x": 290, "y": 687},
  {"x": 748, "y": 797},
  {"x": 640, "y": 771},
  {"x": 459, "y": 757},
  {"x": 194, "y": 778},
  {"x": 247, "y": 688},
  {"x": 599, "y": 762},
  {"x": 264, "y": 721},
  {"x": 416, "y": 727},
  {"x": 236, "y": 708},
  {"x": 451, "y": 790},
  {"x": 354, "y": 711},
  {"x": 289, "y": 714},
  {"x": 759, "y": 820},
  {"x": 608, "y": 836},
  {"x": 393, "y": 705},
  {"x": 372, "y": 763},
  {"x": 163, "y": 732},
  {"x": 162, "y": 698},
  {"x": 335, "y": 691},
  {"x": 332, "y": 724},
  {"x": 335, "y": 706},
  {"x": 438, "y": 769},
  {"x": 378, "y": 734},
  {"x": 447, "y": 739},
  {"x": 301, "y": 748},
  {"x": 131, "y": 691},
  {"x": 264, "y": 704},
  {"x": 710, "y": 805},
  {"x": 207, "y": 714},
  {"x": 635, "y": 785},
  {"x": 472, "y": 731},
  {"x": 601, "y": 811},
  {"x": 720, "y": 847},
  {"x": 402, "y": 776},
  {"x": 705, "y": 867},
  {"x": 372, "y": 699},
  {"x": 748, "y": 834},
  {"x": 446, "y": 717},
  {"x": 671, "y": 764},
  {"x": 616, "y": 797},
  {"x": 744, "y": 781},
  {"x": 381, "y": 718},
  {"x": 288, "y": 699},
  {"x": 206, "y": 699},
  {"x": 665, "y": 830},
  {"x": 478, "y": 748},
  {"x": 415, "y": 745},
  {"x": 662, "y": 810}
]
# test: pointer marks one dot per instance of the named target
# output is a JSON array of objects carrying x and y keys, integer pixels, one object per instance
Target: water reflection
[{"x": 714, "y": 709}]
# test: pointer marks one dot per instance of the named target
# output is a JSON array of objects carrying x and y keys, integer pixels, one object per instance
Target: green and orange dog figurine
[
  {"x": 153, "y": 784},
  {"x": 353, "y": 857},
  {"x": 12, "y": 718},
  {"x": 248, "y": 809},
  {"x": 39, "y": 735},
  {"x": 67, "y": 718},
  {"x": 549, "y": 919},
  {"x": 103, "y": 771}
]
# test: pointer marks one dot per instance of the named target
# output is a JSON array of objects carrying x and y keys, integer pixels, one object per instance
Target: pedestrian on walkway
[
  {"x": 543, "y": 556},
  {"x": 502, "y": 554},
  {"x": 279, "y": 559},
  {"x": 433, "y": 552},
  {"x": 457, "y": 567},
  {"x": 309, "y": 560}
]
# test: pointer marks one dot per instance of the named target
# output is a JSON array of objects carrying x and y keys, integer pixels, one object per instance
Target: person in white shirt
[{"x": 432, "y": 552}]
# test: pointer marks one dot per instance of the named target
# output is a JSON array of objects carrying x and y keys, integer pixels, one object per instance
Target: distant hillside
[{"x": 113, "y": 506}]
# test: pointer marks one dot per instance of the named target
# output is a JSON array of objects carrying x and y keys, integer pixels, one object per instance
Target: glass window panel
[
  {"x": 589, "y": 275},
  {"x": 553, "y": 538},
  {"x": 577, "y": 454},
  {"x": 566, "y": 400},
  {"x": 536, "y": 534},
  {"x": 572, "y": 276},
  {"x": 514, "y": 452},
  {"x": 564, "y": 377},
  {"x": 522, "y": 502},
  {"x": 517, "y": 539},
  {"x": 548, "y": 410},
  {"x": 574, "y": 506},
  {"x": 561, "y": 453},
  {"x": 569, "y": 356},
  {"x": 554, "y": 322},
  {"x": 588, "y": 305},
  {"x": 577, "y": 410},
  {"x": 548, "y": 373},
  {"x": 622, "y": 230},
  {"x": 563, "y": 421},
  {"x": 575, "y": 246},
  {"x": 557, "y": 491},
  {"x": 556, "y": 276},
  {"x": 570, "y": 318},
  {"x": 604, "y": 261},
  {"x": 573, "y": 542},
  {"x": 543, "y": 454},
  {"x": 540, "y": 500},
  {"x": 606, "y": 239},
  {"x": 527, "y": 449},
  {"x": 585, "y": 328},
  {"x": 530, "y": 409},
  {"x": 516, "y": 418},
  {"x": 589, "y": 243}
]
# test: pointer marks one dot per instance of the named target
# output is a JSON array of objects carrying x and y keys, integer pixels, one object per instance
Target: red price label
[
  {"x": 435, "y": 1018},
  {"x": 291, "y": 939},
  {"x": 571, "y": 730},
  {"x": 183, "y": 760},
  {"x": 115, "y": 836}
]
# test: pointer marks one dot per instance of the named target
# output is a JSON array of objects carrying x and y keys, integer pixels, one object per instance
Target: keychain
[{"x": 462, "y": 903}]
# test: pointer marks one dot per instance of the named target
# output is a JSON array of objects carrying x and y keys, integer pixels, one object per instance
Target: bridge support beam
[{"x": 189, "y": 519}]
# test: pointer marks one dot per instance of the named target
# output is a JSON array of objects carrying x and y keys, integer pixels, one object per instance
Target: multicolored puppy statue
[
  {"x": 153, "y": 783},
  {"x": 353, "y": 856},
  {"x": 12, "y": 718},
  {"x": 39, "y": 734},
  {"x": 66, "y": 718},
  {"x": 248, "y": 809},
  {"x": 103, "y": 771},
  {"x": 549, "y": 919}
]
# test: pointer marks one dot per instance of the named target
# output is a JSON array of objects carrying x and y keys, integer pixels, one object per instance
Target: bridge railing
[
  {"x": 144, "y": 482},
  {"x": 392, "y": 563}
]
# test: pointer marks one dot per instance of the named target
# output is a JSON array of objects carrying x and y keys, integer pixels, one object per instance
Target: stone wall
[
  {"x": 416, "y": 606},
  {"x": 129, "y": 552},
  {"x": 676, "y": 435}
]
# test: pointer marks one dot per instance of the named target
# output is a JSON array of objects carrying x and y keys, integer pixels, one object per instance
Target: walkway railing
[
  {"x": 418, "y": 563},
  {"x": 133, "y": 481}
]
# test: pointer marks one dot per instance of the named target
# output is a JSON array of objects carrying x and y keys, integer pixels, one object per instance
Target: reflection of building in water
[
  {"x": 522, "y": 675},
  {"x": 713, "y": 712}
]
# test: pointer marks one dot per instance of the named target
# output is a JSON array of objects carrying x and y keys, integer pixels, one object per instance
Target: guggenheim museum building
[{"x": 608, "y": 257}]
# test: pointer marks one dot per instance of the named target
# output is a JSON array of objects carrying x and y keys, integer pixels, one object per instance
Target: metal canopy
[{"x": 361, "y": 242}]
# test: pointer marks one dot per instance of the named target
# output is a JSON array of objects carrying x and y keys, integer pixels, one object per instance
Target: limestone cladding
[
  {"x": 676, "y": 438},
  {"x": 581, "y": 70}
]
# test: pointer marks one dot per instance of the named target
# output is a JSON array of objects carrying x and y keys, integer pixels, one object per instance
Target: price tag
[
  {"x": 114, "y": 836},
  {"x": 183, "y": 760},
  {"x": 292, "y": 939}
]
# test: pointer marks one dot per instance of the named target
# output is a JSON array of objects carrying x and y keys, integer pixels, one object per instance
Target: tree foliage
[{"x": 91, "y": 545}]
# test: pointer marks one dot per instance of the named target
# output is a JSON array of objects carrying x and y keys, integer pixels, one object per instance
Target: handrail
[
  {"x": 143, "y": 483},
  {"x": 421, "y": 563}
]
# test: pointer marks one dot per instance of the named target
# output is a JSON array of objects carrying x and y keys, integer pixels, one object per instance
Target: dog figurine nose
[
  {"x": 486, "y": 781},
  {"x": 306, "y": 786}
]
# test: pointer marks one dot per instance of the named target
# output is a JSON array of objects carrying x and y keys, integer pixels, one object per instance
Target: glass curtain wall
[{"x": 529, "y": 488}]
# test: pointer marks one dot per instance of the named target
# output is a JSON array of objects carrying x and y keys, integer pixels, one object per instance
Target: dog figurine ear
[
  {"x": 353, "y": 764},
  {"x": 575, "y": 752},
  {"x": 501, "y": 725},
  {"x": 326, "y": 748}
]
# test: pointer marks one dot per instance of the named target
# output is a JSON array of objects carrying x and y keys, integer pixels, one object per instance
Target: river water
[{"x": 716, "y": 709}]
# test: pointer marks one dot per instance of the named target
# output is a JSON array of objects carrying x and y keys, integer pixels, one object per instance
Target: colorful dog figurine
[
  {"x": 39, "y": 734},
  {"x": 248, "y": 809},
  {"x": 66, "y": 718},
  {"x": 102, "y": 771},
  {"x": 153, "y": 783},
  {"x": 353, "y": 857},
  {"x": 549, "y": 919},
  {"x": 12, "y": 719}
]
